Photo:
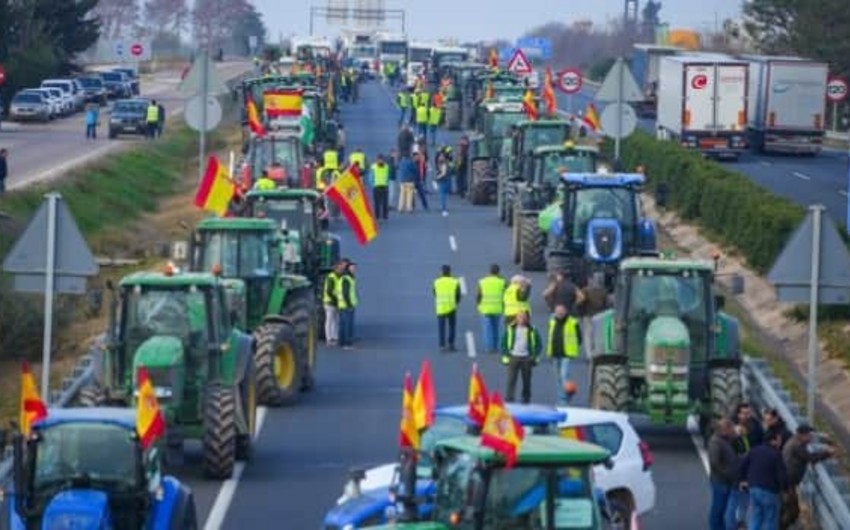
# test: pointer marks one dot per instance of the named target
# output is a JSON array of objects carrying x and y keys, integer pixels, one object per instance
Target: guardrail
[{"x": 823, "y": 489}]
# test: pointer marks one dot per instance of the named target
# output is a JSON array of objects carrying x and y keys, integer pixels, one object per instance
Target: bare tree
[
  {"x": 211, "y": 20},
  {"x": 118, "y": 18},
  {"x": 166, "y": 16}
]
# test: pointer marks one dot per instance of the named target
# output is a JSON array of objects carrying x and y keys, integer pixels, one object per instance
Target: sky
[{"x": 492, "y": 19}]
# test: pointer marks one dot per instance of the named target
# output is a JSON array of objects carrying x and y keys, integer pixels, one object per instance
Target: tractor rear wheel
[
  {"x": 516, "y": 237},
  {"x": 248, "y": 401},
  {"x": 532, "y": 255},
  {"x": 726, "y": 391},
  {"x": 557, "y": 263},
  {"x": 278, "y": 365},
  {"x": 478, "y": 188},
  {"x": 91, "y": 396},
  {"x": 610, "y": 387},
  {"x": 300, "y": 309},
  {"x": 219, "y": 440}
]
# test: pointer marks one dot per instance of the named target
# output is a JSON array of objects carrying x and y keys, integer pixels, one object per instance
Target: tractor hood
[
  {"x": 667, "y": 341},
  {"x": 78, "y": 510},
  {"x": 159, "y": 352},
  {"x": 604, "y": 240}
]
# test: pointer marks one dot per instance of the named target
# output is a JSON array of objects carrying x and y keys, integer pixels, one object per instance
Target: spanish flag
[
  {"x": 150, "y": 425},
  {"x": 408, "y": 433},
  {"x": 501, "y": 432},
  {"x": 478, "y": 397},
  {"x": 216, "y": 188},
  {"x": 32, "y": 407},
  {"x": 490, "y": 93},
  {"x": 349, "y": 194},
  {"x": 529, "y": 105},
  {"x": 424, "y": 399},
  {"x": 283, "y": 102},
  {"x": 591, "y": 118},
  {"x": 494, "y": 59},
  {"x": 254, "y": 122},
  {"x": 549, "y": 92}
]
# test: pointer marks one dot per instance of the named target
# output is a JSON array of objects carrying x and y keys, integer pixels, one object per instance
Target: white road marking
[
  {"x": 228, "y": 487},
  {"x": 453, "y": 243},
  {"x": 802, "y": 176},
  {"x": 699, "y": 443},
  {"x": 843, "y": 192},
  {"x": 463, "y": 286},
  {"x": 765, "y": 163},
  {"x": 470, "y": 345}
]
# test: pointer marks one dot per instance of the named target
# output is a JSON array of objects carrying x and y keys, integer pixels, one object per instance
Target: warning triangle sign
[{"x": 519, "y": 63}]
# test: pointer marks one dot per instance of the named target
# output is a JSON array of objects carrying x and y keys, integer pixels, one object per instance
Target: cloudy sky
[{"x": 489, "y": 19}]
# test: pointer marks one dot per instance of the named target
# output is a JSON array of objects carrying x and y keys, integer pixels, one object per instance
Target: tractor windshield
[
  {"x": 282, "y": 151},
  {"x": 240, "y": 254},
  {"x": 179, "y": 312},
  {"x": 500, "y": 122},
  {"x": 535, "y": 137},
  {"x": 603, "y": 203},
  {"x": 557, "y": 163},
  {"x": 80, "y": 455},
  {"x": 291, "y": 214}
]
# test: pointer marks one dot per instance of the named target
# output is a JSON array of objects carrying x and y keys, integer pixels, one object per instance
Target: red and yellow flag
[
  {"x": 501, "y": 432},
  {"x": 349, "y": 194},
  {"x": 529, "y": 105},
  {"x": 150, "y": 425},
  {"x": 283, "y": 102},
  {"x": 493, "y": 62},
  {"x": 408, "y": 433},
  {"x": 32, "y": 407},
  {"x": 478, "y": 397},
  {"x": 216, "y": 188},
  {"x": 490, "y": 93},
  {"x": 424, "y": 400},
  {"x": 549, "y": 91},
  {"x": 591, "y": 118},
  {"x": 254, "y": 122}
]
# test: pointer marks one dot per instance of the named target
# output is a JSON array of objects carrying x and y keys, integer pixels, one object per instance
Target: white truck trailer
[{"x": 702, "y": 103}]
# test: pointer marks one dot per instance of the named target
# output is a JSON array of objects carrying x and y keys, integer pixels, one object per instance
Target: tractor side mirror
[
  {"x": 609, "y": 463},
  {"x": 719, "y": 302},
  {"x": 736, "y": 284}
]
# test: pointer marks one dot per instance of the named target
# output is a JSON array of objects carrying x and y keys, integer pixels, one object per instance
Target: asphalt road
[
  {"x": 804, "y": 180},
  {"x": 303, "y": 454},
  {"x": 39, "y": 152}
]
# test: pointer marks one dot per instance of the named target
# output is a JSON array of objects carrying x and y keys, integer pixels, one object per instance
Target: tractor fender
[
  {"x": 162, "y": 509},
  {"x": 244, "y": 357},
  {"x": 727, "y": 345}
]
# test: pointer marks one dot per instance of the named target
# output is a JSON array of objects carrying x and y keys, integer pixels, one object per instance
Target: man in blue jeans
[
  {"x": 763, "y": 473},
  {"x": 347, "y": 302},
  {"x": 490, "y": 301},
  {"x": 563, "y": 343},
  {"x": 723, "y": 471}
]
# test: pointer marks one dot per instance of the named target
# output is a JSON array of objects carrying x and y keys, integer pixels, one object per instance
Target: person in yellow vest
[
  {"x": 403, "y": 100},
  {"x": 516, "y": 298},
  {"x": 490, "y": 300},
  {"x": 422, "y": 119},
  {"x": 563, "y": 343},
  {"x": 331, "y": 303},
  {"x": 265, "y": 183},
  {"x": 346, "y": 303},
  {"x": 358, "y": 157},
  {"x": 446, "y": 298},
  {"x": 380, "y": 180},
  {"x": 520, "y": 353},
  {"x": 435, "y": 115},
  {"x": 152, "y": 119}
]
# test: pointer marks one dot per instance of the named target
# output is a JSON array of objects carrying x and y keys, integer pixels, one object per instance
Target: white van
[{"x": 75, "y": 97}]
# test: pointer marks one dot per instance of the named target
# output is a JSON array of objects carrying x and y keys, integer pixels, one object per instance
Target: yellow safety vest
[
  {"x": 570, "y": 337},
  {"x": 331, "y": 159},
  {"x": 445, "y": 294},
  {"x": 152, "y": 114},
  {"x": 423, "y": 98},
  {"x": 421, "y": 115},
  {"x": 380, "y": 174},
  {"x": 331, "y": 281},
  {"x": 492, "y": 290},
  {"x": 352, "y": 291},
  {"x": 265, "y": 183},
  {"x": 514, "y": 305},
  {"x": 358, "y": 157},
  {"x": 434, "y": 115},
  {"x": 403, "y": 100}
]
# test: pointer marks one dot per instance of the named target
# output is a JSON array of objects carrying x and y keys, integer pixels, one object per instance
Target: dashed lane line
[
  {"x": 453, "y": 243},
  {"x": 463, "y": 286},
  {"x": 843, "y": 192},
  {"x": 699, "y": 443},
  {"x": 470, "y": 345},
  {"x": 802, "y": 176}
]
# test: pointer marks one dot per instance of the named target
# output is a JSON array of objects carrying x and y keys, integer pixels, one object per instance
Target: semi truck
[
  {"x": 645, "y": 65},
  {"x": 392, "y": 49},
  {"x": 787, "y": 99},
  {"x": 702, "y": 103},
  {"x": 418, "y": 58}
]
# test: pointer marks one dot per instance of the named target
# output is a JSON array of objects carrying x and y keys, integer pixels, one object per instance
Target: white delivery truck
[
  {"x": 702, "y": 103},
  {"x": 392, "y": 49},
  {"x": 418, "y": 58},
  {"x": 787, "y": 100}
]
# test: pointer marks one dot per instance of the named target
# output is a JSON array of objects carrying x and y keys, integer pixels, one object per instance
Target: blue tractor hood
[
  {"x": 77, "y": 510},
  {"x": 604, "y": 240}
]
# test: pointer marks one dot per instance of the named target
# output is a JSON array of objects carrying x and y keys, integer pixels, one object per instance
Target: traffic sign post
[
  {"x": 619, "y": 87},
  {"x": 570, "y": 82},
  {"x": 836, "y": 92},
  {"x": 202, "y": 81},
  {"x": 519, "y": 63}
]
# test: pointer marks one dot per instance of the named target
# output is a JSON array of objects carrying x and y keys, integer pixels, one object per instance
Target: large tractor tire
[
  {"x": 610, "y": 387},
  {"x": 726, "y": 391},
  {"x": 532, "y": 255},
  {"x": 558, "y": 263},
  {"x": 478, "y": 188},
  {"x": 300, "y": 308},
  {"x": 516, "y": 236},
  {"x": 219, "y": 440},
  {"x": 248, "y": 402},
  {"x": 509, "y": 213},
  {"x": 279, "y": 368},
  {"x": 91, "y": 396}
]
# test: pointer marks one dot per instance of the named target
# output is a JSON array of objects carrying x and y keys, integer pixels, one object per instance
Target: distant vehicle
[
  {"x": 645, "y": 66},
  {"x": 786, "y": 109},
  {"x": 418, "y": 57},
  {"x": 702, "y": 103},
  {"x": 132, "y": 78},
  {"x": 93, "y": 89},
  {"x": 70, "y": 89},
  {"x": 29, "y": 106},
  {"x": 53, "y": 101},
  {"x": 116, "y": 85},
  {"x": 128, "y": 116},
  {"x": 442, "y": 55},
  {"x": 392, "y": 49},
  {"x": 364, "y": 58}
]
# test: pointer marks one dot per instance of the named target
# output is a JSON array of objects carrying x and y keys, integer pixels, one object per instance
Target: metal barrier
[{"x": 823, "y": 489}]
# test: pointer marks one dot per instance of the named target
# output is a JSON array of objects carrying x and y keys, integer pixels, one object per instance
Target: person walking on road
[
  {"x": 405, "y": 141},
  {"x": 380, "y": 181},
  {"x": 4, "y": 169},
  {"x": 347, "y": 302},
  {"x": 444, "y": 182},
  {"x": 393, "y": 185},
  {"x": 351, "y": 269},
  {"x": 797, "y": 457},
  {"x": 330, "y": 300},
  {"x": 490, "y": 300},
  {"x": 421, "y": 161},
  {"x": 407, "y": 181},
  {"x": 462, "y": 166},
  {"x": 92, "y": 117},
  {"x": 723, "y": 465},
  {"x": 749, "y": 435},
  {"x": 446, "y": 298},
  {"x": 340, "y": 143},
  {"x": 520, "y": 353},
  {"x": 403, "y": 100},
  {"x": 562, "y": 291},
  {"x": 152, "y": 119},
  {"x": 763, "y": 474},
  {"x": 563, "y": 343},
  {"x": 516, "y": 298}
]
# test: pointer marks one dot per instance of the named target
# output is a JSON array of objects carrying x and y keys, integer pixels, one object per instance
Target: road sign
[
  {"x": 837, "y": 89},
  {"x": 193, "y": 82},
  {"x": 137, "y": 49},
  {"x": 519, "y": 63},
  {"x": 194, "y": 113},
  {"x": 119, "y": 48},
  {"x": 619, "y": 85},
  {"x": 618, "y": 120},
  {"x": 535, "y": 47},
  {"x": 570, "y": 81},
  {"x": 2, "y": 75}
]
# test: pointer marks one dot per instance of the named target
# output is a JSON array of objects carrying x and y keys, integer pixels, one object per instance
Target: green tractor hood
[
  {"x": 159, "y": 352},
  {"x": 667, "y": 352},
  {"x": 164, "y": 358}
]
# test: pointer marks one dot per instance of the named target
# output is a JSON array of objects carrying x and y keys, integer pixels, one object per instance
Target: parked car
[
  {"x": 66, "y": 103},
  {"x": 70, "y": 89},
  {"x": 93, "y": 89},
  {"x": 53, "y": 102},
  {"x": 29, "y": 106},
  {"x": 132, "y": 79},
  {"x": 127, "y": 116},
  {"x": 116, "y": 85}
]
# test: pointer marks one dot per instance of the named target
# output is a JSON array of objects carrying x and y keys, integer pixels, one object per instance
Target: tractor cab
[
  {"x": 280, "y": 154},
  {"x": 543, "y": 169},
  {"x": 529, "y": 135},
  {"x": 86, "y": 468}
]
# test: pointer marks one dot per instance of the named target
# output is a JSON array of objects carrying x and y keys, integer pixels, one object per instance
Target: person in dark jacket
[
  {"x": 462, "y": 166},
  {"x": 763, "y": 474},
  {"x": 562, "y": 291},
  {"x": 405, "y": 141},
  {"x": 797, "y": 457},
  {"x": 723, "y": 471},
  {"x": 774, "y": 422},
  {"x": 4, "y": 170},
  {"x": 749, "y": 435}
]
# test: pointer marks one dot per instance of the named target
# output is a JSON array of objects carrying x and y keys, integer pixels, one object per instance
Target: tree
[
  {"x": 166, "y": 16},
  {"x": 69, "y": 26},
  {"x": 118, "y": 17},
  {"x": 248, "y": 24},
  {"x": 650, "y": 20},
  {"x": 222, "y": 23}
]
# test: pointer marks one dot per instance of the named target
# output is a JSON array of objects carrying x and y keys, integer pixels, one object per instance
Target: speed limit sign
[
  {"x": 836, "y": 89},
  {"x": 569, "y": 81}
]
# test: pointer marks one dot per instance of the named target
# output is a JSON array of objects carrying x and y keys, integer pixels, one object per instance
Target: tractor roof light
[{"x": 216, "y": 269}]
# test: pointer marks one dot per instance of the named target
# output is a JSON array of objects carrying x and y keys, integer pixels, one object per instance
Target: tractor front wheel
[
  {"x": 516, "y": 237},
  {"x": 219, "y": 440},
  {"x": 478, "y": 188},
  {"x": 300, "y": 309},
  {"x": 726, "y": 391},
  {"x": 532, "y": 255},
  {"x": 278, "y": 365},
  {"x": 248, "y": 402},
  {"x": 610, "y": 387}
]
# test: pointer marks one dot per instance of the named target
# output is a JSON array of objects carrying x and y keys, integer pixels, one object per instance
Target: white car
[
  {"x": 66, "y": 102},
  {"x": 53, "y": 102},
  {"x": 70, "y": 91}
]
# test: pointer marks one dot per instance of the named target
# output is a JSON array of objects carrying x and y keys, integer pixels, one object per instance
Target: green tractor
[
  {"x": 537, "y": 187},
  {"x": 459, "y": 93},
  {"x": 667, "y": 349},
  {"x": 280, "y": 306},
  {"x": 485, "y": 147},
  {"x": 283, "y": 147},
  {"x": 525, "y": 137},
  {"x": 178, "y": 326}
]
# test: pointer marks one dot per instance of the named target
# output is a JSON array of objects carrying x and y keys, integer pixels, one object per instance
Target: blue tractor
[
  {"x": 596, "y": 223},
  {"x": 85, "y": 468}
]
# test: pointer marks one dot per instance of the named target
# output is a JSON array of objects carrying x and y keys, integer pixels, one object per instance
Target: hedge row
[{"x": 724, "y": 202}]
